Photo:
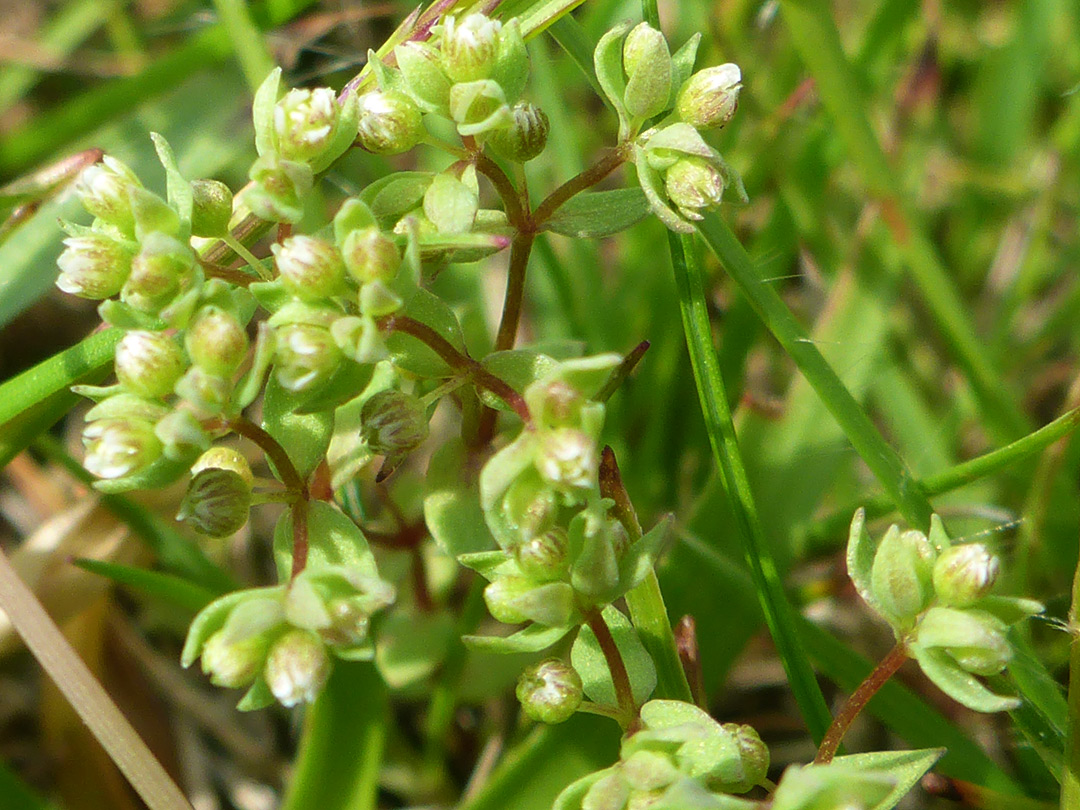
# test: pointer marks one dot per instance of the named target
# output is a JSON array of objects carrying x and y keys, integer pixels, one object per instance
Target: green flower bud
[
  {"x": 469, "y": 47},
  {"x": 119, "y": 447},
  {"x": 975, "y": 639},
  {"x": 694, "y": 185},
  {"x": 525, "y": 138},
  {"x": 234, "y": 655},
  {"x": 550, "y": 691},
  {"x": 753, "y": 760},
  {"x": 710, "y": 96},
  {"x": 529, "y": 507},
  {"x": 216, "y": 341},
  {"x": 648, "y": 65},
  {"x": 544, "y": 557},
  {"x": 305, "y": 356},
  {"x": 305, "y": 121},
  {"x": 310, "y": 268},
  {"x": 511, "y": 69},
  {"x": 93, "y": 266},
  {"x": 393, "y": 423},
  {"x": 279, "y": 190},
  {"x": 389, "y": 123},
  {"x": 297, "y": 668},
  {"x": 610, "y": 792},
  {"x": 556, "y": 404},
  {"x": 149, "y": 363},
  {"x": 159, "y": 272},
  {"x": 205, "y": 390},
  {"x": 213, "y": 207},
  {"x": 479, "y": 107},
  {"x": 182, "y": 436},
  {"x": 964, "y": 574},
  {"x": 218, "y": 498},
  {"x": 350, "y": 623},
  {"x": 152, "y": 213},
  {"x": 422, "y": 70},
  {"x": 370, "y": 255},
  {"x": 513, "y": 600},
  {"x": 103, "y": 190},
  {"x": 567, "y": 460},
  {"x": 901, "y": 576}
]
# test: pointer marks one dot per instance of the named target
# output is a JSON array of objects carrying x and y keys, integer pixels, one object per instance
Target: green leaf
[
  {"x": 450, "y": 204},
  {"x": 212, "y": 618},
  {"x": 395, "y": 195},
  {"x": 333, "y": 539},
  {"x": 639, "y": 559},
  {"x": 346, "y": 384},
  {"x": 166, "y": 588},
  {"x": 414, "y": 356},
  {"x": 960, "y": 685},
  {"x": 533, "y": 638},
  {"x": 452, "y": 503},
  {"x": 341, "y": 751},
  {"x": 304, "y": 436},
  {"x": 906, "y": 767},
  {"x": 588, "y": 659},
  {"x": 596, "y": 214},
  {"x": 542, "y": 14},
  {"x": 411, "y": 646}
]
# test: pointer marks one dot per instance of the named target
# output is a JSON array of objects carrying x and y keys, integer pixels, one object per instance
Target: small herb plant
[{"x": 332, "y": 355}]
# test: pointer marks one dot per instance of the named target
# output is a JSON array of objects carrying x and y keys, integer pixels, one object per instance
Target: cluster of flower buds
[
  {"x": 277, "y": 642},
  {"x": 681, "y": 758},
  {"x": 682, "y": 175},
  {"x": 562, "y": 552},
  {"x": 937, "y": 598}
]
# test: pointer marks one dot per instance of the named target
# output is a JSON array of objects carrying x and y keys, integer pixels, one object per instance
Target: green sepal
[
  {"x": 640, "y": 557},
  {"x": 682, "y": 62},
  {"x": 689, "y": 794},
  {"x": 533, "y": 638},
  {"x": 395, "y": 195},
  {"x": 257, "y": 697},
  {"x": 251, "y": 384},
  {"x": 860, "y": 559},
  {"x": 262, "y": 113},
  {"x": 346, "y": 384},
  {"x": 589, "y": 661},
  {"x": 353, "y": 215},
  {"x": 957, "y": 683},
  {"x": 152, "y": 214},
  {"x": 344, "y": 135},
  {"x": 451, "y": 204},
  {"x": 511, "y": 68},
  {"x": 572, "y": 795},
  {"x": 178, "y": 189},
  {"x": 158, "y": 475},
  {"x": 490, "y": 564},
  {"x": 425, "y": 81},
  {"x": 608, "y": 61},
  {"x": 212, "y": 618},
  {"x": 653, "y": 186}
]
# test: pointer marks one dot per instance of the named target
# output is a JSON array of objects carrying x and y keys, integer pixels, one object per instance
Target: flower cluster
[{"x": 937, "y": 598}]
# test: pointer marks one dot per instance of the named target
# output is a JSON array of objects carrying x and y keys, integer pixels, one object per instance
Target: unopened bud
[
  {"x": 149, "y": 363},
  {"x": 709, "y": 97},
  {"x": 297, "y": 667},
  {"x": 976, "y": 640},
  {"x": 694, "y": 185},
  {"x": 119, "y": 447},
  {"x": 205, "y": 390},
  {"x": 349, "y": 623},
  {"x": 389, "y": 123},
  {"x": 422, "y": 70},
  {"x": 234, "y": 655},
  {"x": 753, "y": 764},
  {"x": 902, "y": 573},
  {"x": 216, "y": 342},
  {"x": 304, "y": 121},
  {"x": 550, "y": 691},
  {"x": 544, "y": 557},
  {"x": 513, "y": 600},
  {"x": 305, "y": 356},
  {"x": 567, "y": 459},
  {"x": 964, "y": 574},
  {"x": 469, "y": 47},
  {"x": 212, "y": 209},
  {"x": 556, "y": 404},
  {"x": 279, "y": 190},
  {"x": 218, "y": 498},
  {"x": 310, "y": 268},
  {"x": 159, "y": 272},
  {"x": 648, "y": 65},
  {"x": 393, "y": 422},
  {"x": 93, "y": 266},
  {"x": 479, "y": 107},
  {"x": 525, "y": 138},
  {"x": 370, "y": 255},
  {"x": 103, "y": 190}
]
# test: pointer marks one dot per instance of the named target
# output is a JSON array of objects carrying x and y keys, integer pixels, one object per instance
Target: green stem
[
  {"x": 779, "y": 615},
  {"x": 880, "y": 457},
  {"x": 1070, "y": 783},
  {"x": 814, "y": 34},
  {"x": 238, "y": 247}
]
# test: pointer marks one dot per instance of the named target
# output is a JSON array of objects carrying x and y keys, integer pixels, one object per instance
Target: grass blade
[{"x": 165, "y": 588}]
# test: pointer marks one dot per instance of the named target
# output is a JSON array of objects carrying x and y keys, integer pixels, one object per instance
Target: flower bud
[
  {"x": 159, "y": 272},
  {"x": 297, "y": 668},
  {"x": 393, "y": 423},
  {"x": 103, "y": 191},
  {"x": 469, "y": 47},
  {"x": 149, "y": 363},
  {"x": 422, "y": 70},
  {"x": 205, "y": 390},
  {"x": 305, "y": 356},
  {"x": 370, "y": 255},
  {"x": 479, "y": 107},
  {"x": 555, "y": 404},
  {"x": 234, "y": 654},
  {"x": 975, "y": 639},
  {"x": 544, "y": 557},
  {"x": 119, "y": 447},
  {"x": 606, "y": 793},
  {"x": 753, "y": 759},
  {"x": 389, "y": 123},
  {"x": 964, "y": 574},
  {"x": 550, "y": 691},
  {"x": 513, "y": 600},
  {"x": 902, "y": 573},
  {"x": 212, "y": 209},
  {"x": 710, "y": 96},
  {"x": 216, "y": 342},
  {"x": 525, "y": 138},
  {"x": 648, "y": 65},
  {"x": 304, "y": 122},
  {"x": 310, "y": 268},
  {"x": 349, "y": 623},
  {"x": 567, "y": 459},
  {"x": 93, "y": 266},
  {"x": 181, "y": 434},
  {"x": 694, "y": 185},
  {"x": 279, "y": 190},
  {"x": 529, "y": 507},
  {"x": 218, "y": 498}
]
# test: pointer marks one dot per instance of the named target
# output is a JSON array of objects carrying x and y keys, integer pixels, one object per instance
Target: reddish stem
[{"x": 624, "y": 693}]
